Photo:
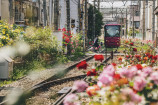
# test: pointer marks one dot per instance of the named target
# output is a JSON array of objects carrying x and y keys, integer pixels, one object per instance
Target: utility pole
[
  {"x": 126, "y": 23},
  {"x": 45, "y": 12},
  {"x": 153, "y": 28},
  {"x": 79, "y": 13},
  {"x": 94, "y": 20},
  {"x": 68, "y": 24},
  {"x": 133, "y": 21},
  {"x": 50, "y": 13},
  {"x": 98, "y": 5},
  {"x": 86, "y": 25},
  {"x": 144, "y": 36},
  {"x": 11, "y": 11},
  {"x": 56, "y": 14},
  {"x": 39, "y": 12}
]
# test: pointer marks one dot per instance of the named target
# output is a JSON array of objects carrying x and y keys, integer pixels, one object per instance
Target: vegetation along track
[
  {"x": 47, "y": 93},
  {"x": 53, "y": 77},
  {"x": 60, "y": 100}
]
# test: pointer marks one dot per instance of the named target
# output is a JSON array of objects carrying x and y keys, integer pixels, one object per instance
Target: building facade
[{"x": 133, "y": 18}]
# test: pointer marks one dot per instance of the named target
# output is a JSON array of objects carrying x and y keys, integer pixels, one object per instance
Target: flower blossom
[
  {"x": 139, "y": 83},
  {"x": 80, "y": 86},
  {"x": 92, "y": 90},
  {"x": 82, "y": 65},
  {"x": 92, "y": 73},
  {"x": 133, "y": 96},
  {"x": 128, "y": 73},
  {"x": 99, "y": 58},
  {"x": 109, "y": 70},
  {"x": 105, "y": 79},
  {"x": 139, "y": 66},
  {"x": 134, "y": 49},
  {"x": 129, "y": 103},
  {"x": 71, "y": 100},
  {"x": 131, "y": 44},
  {"x": 147, "y": 70},
  {"x": 154, "y": 77}
]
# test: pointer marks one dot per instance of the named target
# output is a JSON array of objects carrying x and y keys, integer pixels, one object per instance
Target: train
[{"x": 112, "y": 35}]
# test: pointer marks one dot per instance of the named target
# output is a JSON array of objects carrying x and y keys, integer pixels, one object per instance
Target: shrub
[
  {"x": 9, "y": 34},
  {"x": 43, "y": 45}
]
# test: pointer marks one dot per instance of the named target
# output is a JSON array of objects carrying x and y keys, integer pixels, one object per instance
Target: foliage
[
  {"x": 129, "y": 80},
  {"x": 130, "y": 32},
  {"x": 98, "y": 21},
  {"x": 75, "y": 41},
  {"x": 43, "y": 45},
  {"x": 8, "y": 34}
]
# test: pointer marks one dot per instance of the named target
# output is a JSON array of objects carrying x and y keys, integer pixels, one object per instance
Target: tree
[{"x": 98, "y": 23}]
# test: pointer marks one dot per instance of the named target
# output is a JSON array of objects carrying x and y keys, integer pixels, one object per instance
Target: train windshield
[{"x": 111, "y": 31}]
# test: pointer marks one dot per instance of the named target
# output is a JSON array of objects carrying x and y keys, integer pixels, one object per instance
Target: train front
[{"x": 112, "y": 35}]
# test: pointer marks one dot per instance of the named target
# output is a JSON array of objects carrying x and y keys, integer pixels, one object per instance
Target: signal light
[{"x": 72, "y": 23}]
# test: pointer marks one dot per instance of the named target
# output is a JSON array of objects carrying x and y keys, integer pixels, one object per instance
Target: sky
[{"x": 109, "y": 4}]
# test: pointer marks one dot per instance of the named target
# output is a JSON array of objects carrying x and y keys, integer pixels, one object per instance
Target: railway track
[
  {"x": 60, "y": 100},
  {"x": 55, "y": 81},
  {"x": 52, "y": 78},
  {"x": 46, "y": 88}
]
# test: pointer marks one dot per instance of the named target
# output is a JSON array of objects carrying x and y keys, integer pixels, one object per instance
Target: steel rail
[
  {"x": 61, "y": 98},
  {"x": 52, "y": 78}
]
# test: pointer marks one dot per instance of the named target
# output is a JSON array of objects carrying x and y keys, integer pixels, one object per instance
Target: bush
[
  {"x": 43, "y": 45},
  {"x": 9, "y": 34}
]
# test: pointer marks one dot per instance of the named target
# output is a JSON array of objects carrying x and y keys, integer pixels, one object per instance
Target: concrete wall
[
  {"x": 5, "y": 10},
  {"x": 73, "y": 14}
]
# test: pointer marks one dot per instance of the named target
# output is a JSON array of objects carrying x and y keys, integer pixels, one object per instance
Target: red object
[
  {"x": 92, "y": 90},
  {"x": 99, "y": 57},
  {"x": 150, "y": 56},
  {"x": 63, "y": 29},
  {"x": 153, "y": 61},
  {"x": 92, "y": 73},
  {"x": 139, "y": 66},
  {"x": 112, "y": 42},
  {"x": 131, "y": 44},
  {"x": 89, "y": 73},
  {"x": 82, "y": 65},
  {"x": 67, "y": 40},
  {"x": 120, "y": 59},
  {"x": 114, "y": 64},
  {"x": 154, "y": 57},
  {"x": 137, "y": 56},
  {"x": 117, "y": 76},
  {"x": 134, "y": 49},
  {"x": 127, "y": 56},
  {"x": 147, "y": 54}
]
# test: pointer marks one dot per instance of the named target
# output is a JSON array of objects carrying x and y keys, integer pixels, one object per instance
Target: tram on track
[{"x": 112, "y": 35}]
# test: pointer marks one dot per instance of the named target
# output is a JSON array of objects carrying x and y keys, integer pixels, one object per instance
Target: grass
[{"x": 23, "y": 69}]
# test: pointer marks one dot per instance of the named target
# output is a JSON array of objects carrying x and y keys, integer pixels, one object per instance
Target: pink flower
[
  {"x": 139, "y": 83},
  {"x": 142, "y": 74},
  {"x": 129, "y": 103},
  {"x": 147, "y": 70},
  {"x": 105, "y": 79},
  {"x": 80, "y": 86},
  {"x": 128, "y": 73},
  {"x": 136, "y": 98},
  {"x": 109, "y": 70},
  {"x": 133, "y": 96},
  {"x": 154, "y": 77},
  {"x": 71, "y": 100}
]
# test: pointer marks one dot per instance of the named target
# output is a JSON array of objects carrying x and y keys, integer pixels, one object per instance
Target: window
[
  {"x": 137, "y": 13},
  {"x": 137, "y": 24}
]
